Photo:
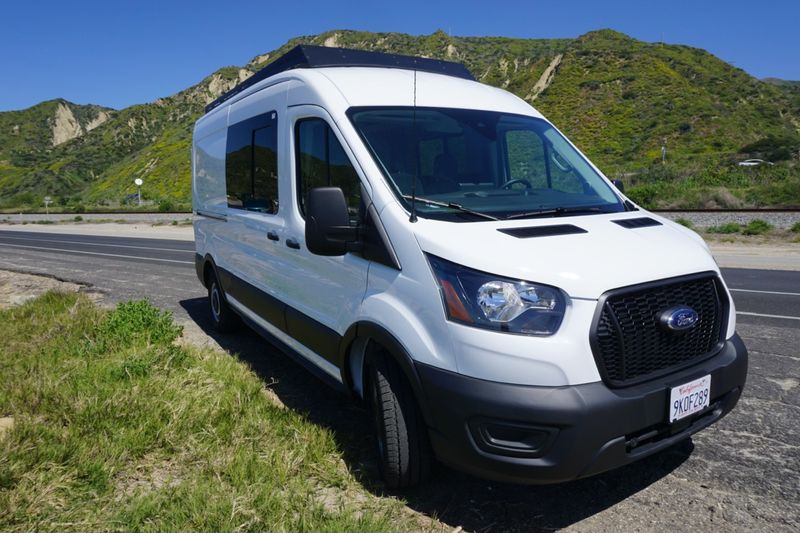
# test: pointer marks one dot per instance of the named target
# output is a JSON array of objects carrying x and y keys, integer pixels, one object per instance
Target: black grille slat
[{"x": 629, "y": 344}]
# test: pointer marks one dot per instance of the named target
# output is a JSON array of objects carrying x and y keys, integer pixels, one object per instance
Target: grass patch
[
  {"x": 117, "y": 427},
  {"x": 730, "y": 227},
  {"x": 757, "y": 227},
  {"x": 685, "y": 222},
  {"x": 795, "y": 227}
]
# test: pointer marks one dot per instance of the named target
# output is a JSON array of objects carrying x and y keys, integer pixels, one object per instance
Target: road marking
[
  {"x": 768, "y": 316},
  {"x": 96, "y": 253},
  {"x": 766, "y": 292},
  {"x": 97, "y": 244}
]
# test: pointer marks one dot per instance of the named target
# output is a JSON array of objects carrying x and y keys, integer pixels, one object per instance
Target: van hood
[{"x": 605, "y": 256}]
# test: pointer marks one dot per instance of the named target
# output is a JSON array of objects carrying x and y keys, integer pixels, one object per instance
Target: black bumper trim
[{"x": 594, "y": 425}]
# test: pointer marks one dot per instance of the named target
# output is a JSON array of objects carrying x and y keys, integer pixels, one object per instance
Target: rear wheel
[
  {"x": 404, "y": 456},
  {"x": 224, "y": 319}
]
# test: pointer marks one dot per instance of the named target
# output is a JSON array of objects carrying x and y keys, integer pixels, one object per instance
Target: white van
[{"x": 436, "y": 247}]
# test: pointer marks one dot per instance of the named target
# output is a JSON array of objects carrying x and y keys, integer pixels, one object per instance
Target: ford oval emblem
[{"x": 679, "y": 318}]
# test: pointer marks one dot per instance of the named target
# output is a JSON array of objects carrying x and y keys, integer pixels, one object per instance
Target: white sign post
[
  {"x": 47, "y": 202},
  {"x": 138, "y": 182}
]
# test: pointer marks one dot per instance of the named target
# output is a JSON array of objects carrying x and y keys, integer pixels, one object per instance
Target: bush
[
  {"x": 685, "y": 222},
  {"x": 77, "y": 218},
  {"x": 79, "y": 208},
  {"x": 773, "y": 147},
  {"x": 166, "y": 206},
  {"x": 757, "y": 227},
  {"x": 795, "y": 228},
  {"x": 730, "y": 227},
  {"x": 138, "y": 321}
]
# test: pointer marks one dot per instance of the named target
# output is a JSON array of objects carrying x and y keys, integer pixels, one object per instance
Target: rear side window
[
  {"x": 251, "y": 164},
  {"x": 322, "y": 162}
]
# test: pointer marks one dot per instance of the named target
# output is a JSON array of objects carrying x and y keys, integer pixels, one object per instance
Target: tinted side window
[
  {"x": 322, "y": 162},
  {"x": 251, "y": 164},
  {"x": 237, "y": 166},
  {"x": 265, "y": 167}
]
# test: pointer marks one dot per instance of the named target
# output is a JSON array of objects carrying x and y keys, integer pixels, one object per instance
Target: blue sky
[{"x": 117, "y": 53}]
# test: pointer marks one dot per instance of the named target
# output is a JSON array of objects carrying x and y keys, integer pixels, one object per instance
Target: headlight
[{"x": 493, "y": 302}]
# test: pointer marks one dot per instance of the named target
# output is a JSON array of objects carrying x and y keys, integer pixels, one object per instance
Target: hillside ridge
[{"x": 619, "y": 99}]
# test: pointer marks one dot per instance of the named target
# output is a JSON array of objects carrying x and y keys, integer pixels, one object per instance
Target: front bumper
[{"x": 528, "y": 434}]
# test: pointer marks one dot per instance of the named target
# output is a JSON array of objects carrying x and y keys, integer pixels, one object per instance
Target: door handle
[
  {"x": 292, "y": 243},
  {"x": 273, "y": 236}
]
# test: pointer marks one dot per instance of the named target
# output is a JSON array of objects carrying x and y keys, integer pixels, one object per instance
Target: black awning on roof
[{"x": 310, "y": 56}]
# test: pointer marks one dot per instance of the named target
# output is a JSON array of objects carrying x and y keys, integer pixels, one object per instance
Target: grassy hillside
[
  {"x": 619, "y": 99},
  {"x": 30, "y": 141}
]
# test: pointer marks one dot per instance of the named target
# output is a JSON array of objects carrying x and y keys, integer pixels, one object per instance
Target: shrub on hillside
[
  {"x": 166, "y": 206},
  {"x": 773, "y": 148}
]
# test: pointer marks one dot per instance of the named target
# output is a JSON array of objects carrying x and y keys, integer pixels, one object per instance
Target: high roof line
[{"x": 311, "y": 56}]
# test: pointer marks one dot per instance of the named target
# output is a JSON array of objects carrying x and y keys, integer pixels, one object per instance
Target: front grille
[{"x": 629, "y": 344}]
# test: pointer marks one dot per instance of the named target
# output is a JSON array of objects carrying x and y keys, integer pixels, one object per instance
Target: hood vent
[
  {"x": 542, "y": 231},
  {"x": 634, "y": 223}
]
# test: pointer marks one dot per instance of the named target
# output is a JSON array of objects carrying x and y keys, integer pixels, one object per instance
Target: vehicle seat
[{"x": 445, "y": 170}]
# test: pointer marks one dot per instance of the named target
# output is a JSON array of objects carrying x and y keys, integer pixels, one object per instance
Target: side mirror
[
  {"x": 619, "y": 184},
  {"x": 328, "y": 229}
]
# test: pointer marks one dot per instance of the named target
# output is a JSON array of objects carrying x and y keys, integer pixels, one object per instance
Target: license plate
[{"x": 689, "y": 398}]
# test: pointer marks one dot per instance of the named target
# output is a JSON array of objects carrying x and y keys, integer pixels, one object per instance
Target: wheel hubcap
[{"x": 215, "y": 307}]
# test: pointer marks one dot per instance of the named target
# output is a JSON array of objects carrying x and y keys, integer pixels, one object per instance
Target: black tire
[
  {"x": 223, "y": 318},
  {"x": 404, "y": 456}
]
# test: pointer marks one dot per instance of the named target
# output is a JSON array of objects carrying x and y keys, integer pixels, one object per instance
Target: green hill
[{"x": 620, "y": 100}]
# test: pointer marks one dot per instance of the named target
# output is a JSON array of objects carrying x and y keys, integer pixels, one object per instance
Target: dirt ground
[{"x": 17, "y": 288}]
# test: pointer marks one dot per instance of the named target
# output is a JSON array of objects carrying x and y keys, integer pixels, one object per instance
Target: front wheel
[
  {"x": 223, "y": 318},
  {"x": 404, "y": 456}
]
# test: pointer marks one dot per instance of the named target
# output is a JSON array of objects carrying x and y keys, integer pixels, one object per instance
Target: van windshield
[{"x": 474, "y": 165}]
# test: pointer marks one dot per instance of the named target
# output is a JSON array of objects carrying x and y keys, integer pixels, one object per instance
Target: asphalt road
[
  {"x": 162, "y": 270},
  {"x": 741, "y": 474}
]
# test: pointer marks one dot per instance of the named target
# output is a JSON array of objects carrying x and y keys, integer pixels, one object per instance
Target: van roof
[{"x": 310, "y": 56}]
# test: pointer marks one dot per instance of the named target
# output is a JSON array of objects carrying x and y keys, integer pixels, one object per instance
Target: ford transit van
[{"x": 435, "y": 247}]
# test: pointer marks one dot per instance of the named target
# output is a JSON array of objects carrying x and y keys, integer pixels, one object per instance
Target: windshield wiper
[
  {"x": 556, "y": 211},
  {"x": 451, "y": 205}
]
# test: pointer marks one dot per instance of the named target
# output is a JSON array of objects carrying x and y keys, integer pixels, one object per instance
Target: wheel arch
[
  {"x": 356, "y": 344},
  {"x": 205, "y": 265}
]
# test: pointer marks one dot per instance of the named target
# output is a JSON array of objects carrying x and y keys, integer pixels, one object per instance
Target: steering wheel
[{"x": 508, "y": 184}]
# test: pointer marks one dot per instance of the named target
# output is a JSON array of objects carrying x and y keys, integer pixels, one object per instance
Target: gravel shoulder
[
  {"x": 16, "y": 288},
  {"x": 142, "y": 230}
]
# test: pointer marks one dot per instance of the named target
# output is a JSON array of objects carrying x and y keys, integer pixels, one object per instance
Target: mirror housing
[
  {"x": 620, "y": 185},
  {"x": 328, "y": 229}
]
